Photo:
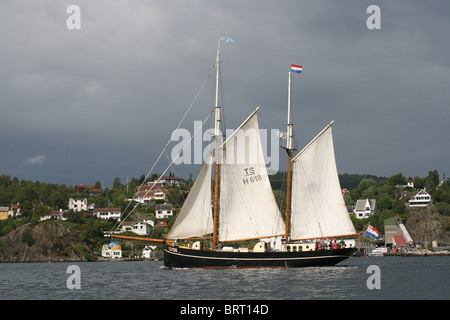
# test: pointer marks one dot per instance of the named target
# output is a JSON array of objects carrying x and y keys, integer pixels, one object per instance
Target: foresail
[
  {"x": 195, "y": 217},
  {"x": 247, "y": 204},
  {"x": 318, "y": 208}
]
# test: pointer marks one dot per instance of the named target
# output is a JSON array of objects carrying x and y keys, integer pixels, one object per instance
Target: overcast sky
[{"x": 79, "y": 106}]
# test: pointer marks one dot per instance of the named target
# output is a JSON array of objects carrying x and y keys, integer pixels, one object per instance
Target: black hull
[{"x": 177, "y": 257}]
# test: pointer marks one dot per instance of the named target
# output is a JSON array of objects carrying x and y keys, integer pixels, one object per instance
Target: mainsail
[
  {"x": 247, "y": 205},
  {"x": 195, "y": 217},
  {"x": 318, "y": 208}
]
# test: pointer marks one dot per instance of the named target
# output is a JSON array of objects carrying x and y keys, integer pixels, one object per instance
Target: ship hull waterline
[{"x": 178, "y": 257}]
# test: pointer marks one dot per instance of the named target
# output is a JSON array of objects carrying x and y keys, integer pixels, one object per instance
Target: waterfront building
[
  {"x": 147, "y": 252},
  {"x": 395, "y": 233},
  {"x": 112, "y": 251}
]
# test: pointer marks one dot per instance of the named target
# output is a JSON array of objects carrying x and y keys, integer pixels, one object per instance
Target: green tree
[
  {"x": 157, "y": 232},
  {"x": 442, "y": 193},
  {"x": 117, "y": 183},
  {"x": 419, "y": 183},
  {"x": 396, "y": 179},
  {"x": 384, "y": 202},
  {"x": 432, "y": 180},
  {"x": 398, "y": 207},
  {"x": 348, "y": 199},
  {"x": 366, "y": 184},
  {"x": 369, "y": 193},
  {"x": 26, "y": 209}
]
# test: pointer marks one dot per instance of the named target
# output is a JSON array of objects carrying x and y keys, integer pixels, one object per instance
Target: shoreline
[
  {"x": 405, "y": 255},
  {"x": 97, "y": 260},
  {"x": 417, "y": 254}
]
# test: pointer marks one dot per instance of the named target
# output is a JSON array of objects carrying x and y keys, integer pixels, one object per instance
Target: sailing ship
[{"x": 244, "y": 207}]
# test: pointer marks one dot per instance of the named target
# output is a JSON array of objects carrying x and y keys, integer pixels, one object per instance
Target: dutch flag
[
  {"x": 296, "y": 68},
  {"x": 372, "y": 232}
]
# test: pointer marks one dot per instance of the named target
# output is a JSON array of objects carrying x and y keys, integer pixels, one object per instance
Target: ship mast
[
  {"x": 218, "y": 140},
  {"x": 289, "y": 150}
]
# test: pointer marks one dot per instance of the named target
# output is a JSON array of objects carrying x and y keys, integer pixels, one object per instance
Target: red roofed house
[
  {"x": 395, "y": 233},
  {"x": 399, "y": 242},
  {"x": 95, "y": 192},
  {"x": 151, "y": 192},
  {"x": 82, "y": 187}
]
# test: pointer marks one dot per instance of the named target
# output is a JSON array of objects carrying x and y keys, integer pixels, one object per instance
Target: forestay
[
  {"x": 318, "y": 208},
  {"x": 247, "y": 204}
]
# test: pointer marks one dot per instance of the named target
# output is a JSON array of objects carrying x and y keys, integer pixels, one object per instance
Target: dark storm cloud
[{"x": 102, "y": 101}]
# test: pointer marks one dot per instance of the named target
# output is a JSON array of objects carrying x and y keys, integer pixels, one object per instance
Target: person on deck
[{"x": 335, "y": 245}]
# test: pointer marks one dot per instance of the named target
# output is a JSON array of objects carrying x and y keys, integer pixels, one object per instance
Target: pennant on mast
[{"x": 225, "y": 38}]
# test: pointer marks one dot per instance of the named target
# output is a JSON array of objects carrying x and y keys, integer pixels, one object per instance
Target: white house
[
  {"x": 407, "y": 184},
  {"x": 58, "y": 215},
  {"x": 111, "y": 251},
  {"x": 169, "y": 181},
  {"x": 163, "y": 211},
  {"x": 147, "y": 251},
  {"x": 364, "y": 208},
  {"x": 15, "y": 210},
  {"x": 139, "y": 227},
  {"x": 421, "y": 199},
  {"x": 107, "y": 213},
  {"x": 78, "y": 204}
]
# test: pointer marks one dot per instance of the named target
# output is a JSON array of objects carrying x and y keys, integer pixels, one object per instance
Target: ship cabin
[
  {"x": 298, "y": 247},
  {"x": 259, "y": 247}
]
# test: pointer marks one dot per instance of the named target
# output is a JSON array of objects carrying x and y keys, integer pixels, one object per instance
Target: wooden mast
[
  {"x": 289, "y": 150},
  {"x": 288, "y": 198},
  {"x": 217, "y": 138}
]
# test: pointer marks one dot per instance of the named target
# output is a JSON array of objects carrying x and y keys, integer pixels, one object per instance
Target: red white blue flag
[
  {"x": 372, "y": 232},
  {"x": 296, "y": 68}
]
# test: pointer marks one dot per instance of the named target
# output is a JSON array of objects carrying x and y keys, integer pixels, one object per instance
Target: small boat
[{"x": 378, "y": 252}]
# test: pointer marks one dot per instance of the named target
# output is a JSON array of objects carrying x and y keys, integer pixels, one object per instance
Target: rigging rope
[{"x": 117, "y": 224}]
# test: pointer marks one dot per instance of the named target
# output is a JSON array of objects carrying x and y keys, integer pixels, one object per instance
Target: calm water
[{"x": 400, "y": 278}]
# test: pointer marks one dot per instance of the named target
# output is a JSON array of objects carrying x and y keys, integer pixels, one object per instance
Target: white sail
[
  {"x": 195, "y": 217},
  {"x": 247, "y": 204},
  {"x": 318, "y": 208}
]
